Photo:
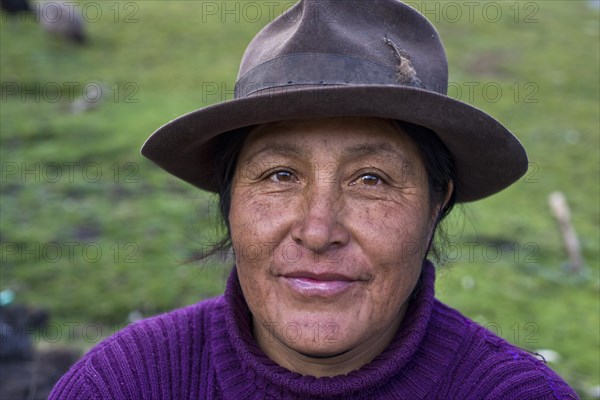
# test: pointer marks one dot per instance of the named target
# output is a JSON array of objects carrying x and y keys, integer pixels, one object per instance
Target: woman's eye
[
  {"x": 282, "y": 176},
  {"x": 368, "y": 180}
]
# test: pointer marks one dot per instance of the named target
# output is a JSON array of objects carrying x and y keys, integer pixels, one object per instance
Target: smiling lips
[{"x": 318, "y": 285}]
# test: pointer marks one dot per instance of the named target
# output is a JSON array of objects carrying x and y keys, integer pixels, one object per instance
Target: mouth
[{"x": 323, "y": 285}]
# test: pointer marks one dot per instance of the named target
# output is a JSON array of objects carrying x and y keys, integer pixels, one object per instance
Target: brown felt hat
[{"x": 327, "y": 58}]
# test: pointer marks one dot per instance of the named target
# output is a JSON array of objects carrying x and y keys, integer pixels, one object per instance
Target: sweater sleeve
[
  {"x": 495, "y": 369},
  {"x": 159, "y": 357},
  {"x": 81, "y": 381},
  {"x": 74, "y": 385}
]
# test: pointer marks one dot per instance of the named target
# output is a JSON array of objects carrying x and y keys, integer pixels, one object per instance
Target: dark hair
[
  {"x": 227, "y": 148},
  {"x": 437, "y": 160},
  {"x": 440, "y": 169}
]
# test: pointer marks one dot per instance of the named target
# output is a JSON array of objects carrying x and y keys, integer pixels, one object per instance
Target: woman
[{"x": 334, "y": 165}]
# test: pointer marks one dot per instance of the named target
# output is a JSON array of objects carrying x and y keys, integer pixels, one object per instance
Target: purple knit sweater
[{"x": 207, "y": 351}]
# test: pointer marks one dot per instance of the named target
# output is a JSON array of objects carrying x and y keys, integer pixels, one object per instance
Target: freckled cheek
[
  {"x": 390, "y": 296},
  {"x": 387, "y": 232},
  {"x": 395, "y": 275},
  {"x": 394, "y": 245},
  {"x": 258, "y": 225}
]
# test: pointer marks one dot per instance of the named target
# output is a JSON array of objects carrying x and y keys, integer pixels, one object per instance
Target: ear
[
  {"x": 448, "y": 194},
  {"x": 438, "y": 214},
  {"x": 438, "y": 210}
]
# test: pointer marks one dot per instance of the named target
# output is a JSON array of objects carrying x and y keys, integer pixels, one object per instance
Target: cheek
[
  {"x": 252, "y": 229},
  {"x": 257, "y": 225},
  {"x": 249, "y": 217},
  {"x": 394, "y": 234},
  {"x": 394, "y": 243}
]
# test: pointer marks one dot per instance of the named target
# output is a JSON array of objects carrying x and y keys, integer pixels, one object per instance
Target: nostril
[{"x": 319, "y": 234}]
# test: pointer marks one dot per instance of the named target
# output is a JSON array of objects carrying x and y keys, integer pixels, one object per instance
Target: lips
[{"x": 311, "y": 284}]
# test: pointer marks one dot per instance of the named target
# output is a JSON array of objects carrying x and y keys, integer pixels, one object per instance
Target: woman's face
[{"x": 330, "y": 220}]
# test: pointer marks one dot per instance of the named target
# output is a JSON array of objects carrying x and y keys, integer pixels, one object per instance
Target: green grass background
[{"x": 159, "y": 59}]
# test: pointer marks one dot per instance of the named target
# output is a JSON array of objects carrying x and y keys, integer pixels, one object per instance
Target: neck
[{"x": 331, "y": 365}]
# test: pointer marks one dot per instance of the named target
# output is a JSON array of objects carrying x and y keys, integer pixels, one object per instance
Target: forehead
[{"x": 352, "y": 136}]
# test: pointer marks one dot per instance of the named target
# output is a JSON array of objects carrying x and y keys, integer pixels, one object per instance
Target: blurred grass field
[{"x": 93, "y": 232}]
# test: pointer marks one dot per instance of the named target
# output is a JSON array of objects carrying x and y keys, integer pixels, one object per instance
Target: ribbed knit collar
[{"x": 242, "y": 367}]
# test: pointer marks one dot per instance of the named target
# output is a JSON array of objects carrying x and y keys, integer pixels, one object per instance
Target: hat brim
[{"x": 488, "y": 158}]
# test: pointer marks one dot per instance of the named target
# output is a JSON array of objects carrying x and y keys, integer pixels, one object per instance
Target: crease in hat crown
[
  {"x": 328, "y": 58},
  {"x": 311, "y": 45}
]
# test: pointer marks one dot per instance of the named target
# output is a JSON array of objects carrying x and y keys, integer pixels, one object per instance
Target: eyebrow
[
  {"x": 367, "y": 149},
  {"x": 281, "y": 149},
  {"x": 360, "y": 150}
]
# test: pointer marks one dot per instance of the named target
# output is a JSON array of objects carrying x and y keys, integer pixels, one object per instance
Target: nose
[{"x": 321, "y": 227}]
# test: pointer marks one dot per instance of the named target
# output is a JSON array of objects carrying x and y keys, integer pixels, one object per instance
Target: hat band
[{"x": 316, "y": 69}]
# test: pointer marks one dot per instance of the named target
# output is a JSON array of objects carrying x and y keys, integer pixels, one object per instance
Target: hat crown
[
  {"x": 344, "y": 58},
  {"x": 345, "y": 42}
]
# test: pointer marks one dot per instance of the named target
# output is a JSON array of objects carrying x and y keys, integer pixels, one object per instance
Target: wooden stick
[{"x": 560, "y": 209}]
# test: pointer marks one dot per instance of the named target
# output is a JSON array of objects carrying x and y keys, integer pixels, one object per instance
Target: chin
[
  {"x": 320, "y": 335},
  {"x": 322, "y": 349}
]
